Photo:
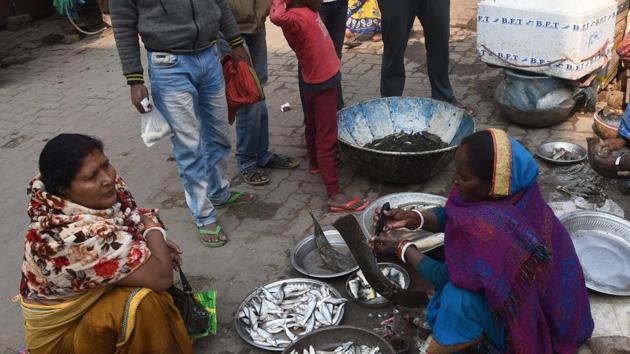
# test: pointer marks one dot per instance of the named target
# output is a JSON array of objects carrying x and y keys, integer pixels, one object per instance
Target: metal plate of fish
[
  {"x": 326, "y": 340},
  {"x": 408, "y": 201},
  {"x": 363, "y": 294},
  {"x": 602, "y": 243},
  {"x": 276, "y": 314},
  {"x": 561, "y": 153},
  {"x": 306, "y": 259}
]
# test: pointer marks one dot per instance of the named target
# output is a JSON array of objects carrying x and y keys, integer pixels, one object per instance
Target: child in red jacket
[{"x": 319, "y": 66}]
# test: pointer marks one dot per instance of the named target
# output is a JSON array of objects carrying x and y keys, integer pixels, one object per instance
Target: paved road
[{"x": 80, "y": 88}]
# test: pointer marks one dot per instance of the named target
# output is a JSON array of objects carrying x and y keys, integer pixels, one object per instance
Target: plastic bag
[{"x": 153, "y": 125}]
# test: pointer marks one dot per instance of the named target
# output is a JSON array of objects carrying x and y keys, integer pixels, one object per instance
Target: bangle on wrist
[
  {"x": 421, "y": 221},
  {"x": 404, "y": 249},
  {"x": 400, "y": 247},
  {"x": 154, "y": 228}
]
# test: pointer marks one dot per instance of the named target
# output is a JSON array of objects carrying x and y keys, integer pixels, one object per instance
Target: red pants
[{"x": 321, "y": 134}]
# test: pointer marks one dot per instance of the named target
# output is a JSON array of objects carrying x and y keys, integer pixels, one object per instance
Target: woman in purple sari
[{"x": 512, "y": 280}]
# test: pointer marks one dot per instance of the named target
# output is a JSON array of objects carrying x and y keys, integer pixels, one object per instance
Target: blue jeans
[
  {"x": 188, "y": 89},
  {"x": 252, "y": 122}
]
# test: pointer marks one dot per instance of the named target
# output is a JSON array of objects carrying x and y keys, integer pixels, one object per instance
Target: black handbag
[{"x": 196, "y": 318}]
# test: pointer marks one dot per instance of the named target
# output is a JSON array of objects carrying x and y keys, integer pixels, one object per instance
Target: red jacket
[{"x": 307, "y": 36}]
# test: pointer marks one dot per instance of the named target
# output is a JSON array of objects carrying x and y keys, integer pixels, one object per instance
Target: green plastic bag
[{"x": 208, "y": 298}]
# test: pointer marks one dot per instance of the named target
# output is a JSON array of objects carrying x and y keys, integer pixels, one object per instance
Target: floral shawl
[{"x": 70, "y": 249}]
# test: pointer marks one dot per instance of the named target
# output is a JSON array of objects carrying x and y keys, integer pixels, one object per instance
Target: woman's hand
[
  {"x": 148, "y": 222},
  {"x": 176, "y": 252},
  {"x": 384, "y": 244},
  {"x": 395, "y": 218}
]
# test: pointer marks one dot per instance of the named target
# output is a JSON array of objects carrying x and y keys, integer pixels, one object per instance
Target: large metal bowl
[
  {"x": 364, "y": 122},
  {"x": 272, "y": 286},
  {"x": 602, "y": 243},
  {"x": 402, "y": 200},
  {"x": 306, "y": 260},
  {"x": 545, "y": 151},
  {"x": 331, "y": 337}
]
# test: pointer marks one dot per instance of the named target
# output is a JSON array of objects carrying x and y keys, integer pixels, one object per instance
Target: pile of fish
[
  {"x": 277, "y": 316},
  {"x": 562, "y": 154},
  {"x": 408, "y": 142},
  {"x": 345, "y": 348},
  {"x": 361, "y": 290}
]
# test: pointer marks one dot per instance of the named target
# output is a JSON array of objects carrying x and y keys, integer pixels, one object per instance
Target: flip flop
[
  {"x": 355, "y": 204},
  {"x": 233, "y": 200},
  {"x": 216, "y": 234}
]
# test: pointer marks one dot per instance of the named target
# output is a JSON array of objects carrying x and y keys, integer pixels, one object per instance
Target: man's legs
[
  {"x": 177, "y": 98},
  {"x": 252, "y": 122},
  {"x": 435, "y": 18},
  {"x": 397, "y": 20},
  {"x": 334, "y": 16},
  {"x": 215, "y": 131}
]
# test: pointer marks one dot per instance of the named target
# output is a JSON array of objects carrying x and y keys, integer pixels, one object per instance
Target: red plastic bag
[{"x": 242, "y": 87}]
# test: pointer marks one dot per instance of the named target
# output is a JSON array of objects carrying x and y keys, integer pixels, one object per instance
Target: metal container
[
  {"x": 602, "y": 243},
  {"x": 306, "y": 260},
  {"x": 606, "y": 127},
  {"x": 545, "y": 151},
  {"x": 399, "y": 200},
  {"x": 362, "y": 123},
  {"x": 378, "y": 302},
  {"x": 331, "y": 337},
  {"x": 272, "y": 286},
  {"x": 534, "y": 100}
]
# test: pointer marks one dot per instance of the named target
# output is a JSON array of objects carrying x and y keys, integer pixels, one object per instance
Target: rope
[
  {"x": 79, "y": 28},
  {"x": 508, "y": 63}
]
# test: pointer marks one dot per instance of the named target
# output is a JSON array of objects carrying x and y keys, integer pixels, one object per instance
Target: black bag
[{"x": 196, "y": 318}]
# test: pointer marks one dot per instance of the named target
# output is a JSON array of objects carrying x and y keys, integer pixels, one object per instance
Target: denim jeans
[
  {"x": 188, "y": 89},
  {"x": 252, "y": 122}
]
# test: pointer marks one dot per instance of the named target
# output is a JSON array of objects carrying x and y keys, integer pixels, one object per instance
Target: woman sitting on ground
[
  {"x": 512, "y": 281},
  {"x": 95, "y": 266}
]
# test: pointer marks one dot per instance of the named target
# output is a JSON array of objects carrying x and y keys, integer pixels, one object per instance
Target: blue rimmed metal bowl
[{"x": 374, "y": 119}]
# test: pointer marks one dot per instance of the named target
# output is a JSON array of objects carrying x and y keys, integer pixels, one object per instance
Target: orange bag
[{"x": 242, "y": 87}]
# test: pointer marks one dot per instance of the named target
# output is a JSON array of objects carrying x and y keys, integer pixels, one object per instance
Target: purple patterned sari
[{"x": 516, "y": 252}]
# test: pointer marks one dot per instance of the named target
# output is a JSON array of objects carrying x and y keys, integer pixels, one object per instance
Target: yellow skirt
[{"x": 119, "y": 320}]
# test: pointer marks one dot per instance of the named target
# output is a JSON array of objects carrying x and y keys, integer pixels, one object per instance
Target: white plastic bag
[{"x": 153, "y": 125}]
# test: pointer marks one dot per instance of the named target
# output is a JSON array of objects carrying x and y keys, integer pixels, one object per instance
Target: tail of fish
[{"x": 319, "y": 233}]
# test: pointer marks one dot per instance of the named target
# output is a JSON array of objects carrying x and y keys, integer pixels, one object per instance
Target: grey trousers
[{"x": 397, "y": 20}]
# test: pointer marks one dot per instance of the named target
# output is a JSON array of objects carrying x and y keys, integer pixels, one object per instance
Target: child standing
[{"x": 319, "y": 68}]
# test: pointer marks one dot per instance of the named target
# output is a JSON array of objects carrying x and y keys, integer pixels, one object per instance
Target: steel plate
[
  {"x": 272, "y": 286},
  {"x": 400, "y": 200},
  {"x": 306, "y": 260},
  {"x": 544, "y": 151},
  {"x": 331, "y": 337},
  {"x": 602, "y": 243},
  {"x": 383, "y": 301}
]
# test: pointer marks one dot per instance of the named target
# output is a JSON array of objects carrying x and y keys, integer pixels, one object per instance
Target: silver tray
[
  {"x": 602, "y": 243},
  {"x": 545, "y": 150},
  {"x": 383, "y": 301},
  {"x": 272, "y": 286},
  {"x": 306, "y": 260},
  {"x": 400, "y": 200}
]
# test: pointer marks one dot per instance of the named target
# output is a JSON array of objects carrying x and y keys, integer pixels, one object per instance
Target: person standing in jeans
[
  {"x": 397, "y": 21},
  {"x": 252, "y": 122},
  {"x": 187, "y": 87}
]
